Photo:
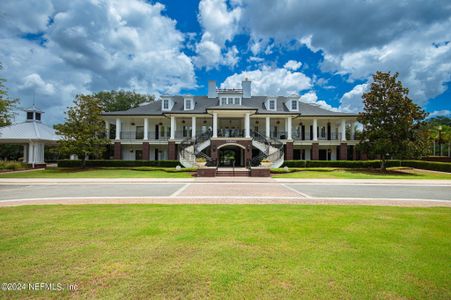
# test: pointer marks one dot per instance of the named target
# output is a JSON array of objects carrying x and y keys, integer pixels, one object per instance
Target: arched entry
[{"x": 231, "y": 155}]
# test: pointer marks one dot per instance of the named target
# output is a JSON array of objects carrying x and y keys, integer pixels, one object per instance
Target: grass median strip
[{"x": 246, "y": 251}]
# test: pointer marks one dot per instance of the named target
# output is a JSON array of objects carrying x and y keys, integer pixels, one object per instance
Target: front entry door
[{"x": 230, "y": 156}]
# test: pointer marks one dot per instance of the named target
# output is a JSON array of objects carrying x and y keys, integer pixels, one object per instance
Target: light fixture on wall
[
  {"x": 183, "y": 121},
  {"x": 278, "y": 122},
  {"x": 256, "y": 122},
  {"x": 160, "y": 124},
  {"x": 133, "y": 124},
  {"x": 205, "y": 121}
]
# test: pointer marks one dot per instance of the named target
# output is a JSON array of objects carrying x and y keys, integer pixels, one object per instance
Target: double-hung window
[
  {"x": 294, "y": 105},
  {"x": 165, "y": 104},
  {"x": 237, "y": 101},
  {"x": 187, "y": 104},
  {"x": 230, "y": 101},
  {"x": 223, "y": 101},
  {"x": 272, "y": 104}
]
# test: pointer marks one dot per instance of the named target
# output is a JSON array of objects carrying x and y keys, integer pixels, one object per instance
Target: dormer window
[
  {"x": 37, "y": 116},
  {"x": 272, "y": 104},
  {"x": 189, "y": 104},
  {"x": 223, "y": 101},
  {"x": 294, "y": 105},
  {"x": 30, "y": 115},
  {"x": 230, "y": 100},
  {"x": 237, "y": 101},
  {"x": 167, "y": 104}
]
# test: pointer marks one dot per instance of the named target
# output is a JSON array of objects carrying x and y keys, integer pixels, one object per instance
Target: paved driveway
[{"x": 229, "y": 190}]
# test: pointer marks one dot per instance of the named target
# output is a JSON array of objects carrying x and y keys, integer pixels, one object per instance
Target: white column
[
  {"x": 107, "y": 129},
  {"x": 193, "y": 127},
  {"x": 118, "y": 129},
  {"x": 315, "y": 130},
  {"x": 343, "y": 130},
  {"x": 289, "y": 128},
  {"x": 247, "y": 125},
  {"x": 146, "y": 129},
  {"x": 353, "y": 124},
  {"x": 215, "y": 125},
  {"x": 268, "y": 127},
  {"x": 172, "y": 128},
  {"x": 31, "y": 153}
]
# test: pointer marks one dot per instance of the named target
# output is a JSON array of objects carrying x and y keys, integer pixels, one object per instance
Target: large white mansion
[{"x": 230, "y": 126}]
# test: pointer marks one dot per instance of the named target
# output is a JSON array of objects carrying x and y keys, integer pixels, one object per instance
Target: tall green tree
[
  {"x": 83, "y": 132},
  {"x": 7, "y": 105},
  {"x": 391, "y": 122},
  {"x": 121, "y": 100}
]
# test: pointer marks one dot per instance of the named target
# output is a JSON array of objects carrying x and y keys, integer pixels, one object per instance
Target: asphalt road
[
  {"x": 375, "y": 191},
  {"x": 226, "y": 190}
]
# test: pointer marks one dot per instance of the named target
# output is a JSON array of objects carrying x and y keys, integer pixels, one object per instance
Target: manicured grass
[
  {"x": 99, "y": 173},
  {"x": 338, "y": 173},
  {"x": 245, "y": 252}
]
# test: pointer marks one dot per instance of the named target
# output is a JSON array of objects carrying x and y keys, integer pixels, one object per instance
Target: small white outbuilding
[{"x": 33, "y": 134}]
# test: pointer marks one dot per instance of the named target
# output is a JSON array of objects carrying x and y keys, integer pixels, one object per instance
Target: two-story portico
[{"x": 231, "y": 125}]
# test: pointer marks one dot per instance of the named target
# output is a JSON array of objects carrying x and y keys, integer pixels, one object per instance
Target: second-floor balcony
[{"x": 226, "y": 133}]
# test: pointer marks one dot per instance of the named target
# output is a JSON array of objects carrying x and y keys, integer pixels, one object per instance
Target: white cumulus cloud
[
  {"x": 90, "y": 46},
  {"x": 271, "y": 81}
]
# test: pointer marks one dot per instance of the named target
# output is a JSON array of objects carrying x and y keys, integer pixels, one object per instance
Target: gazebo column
[{"x": 25, "y": 153}]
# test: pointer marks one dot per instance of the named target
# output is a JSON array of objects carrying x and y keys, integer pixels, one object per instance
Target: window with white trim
[
  {"x": 294, "y": 105},
  {"x": 272, "y": 104},
  {"x": 237, "y": 101},
  {"x": 229, "y": 100},
  {"x": 165, "y": 104},
  {"x": 188, "y": 104},
  {"x": 223, "y": 101}
]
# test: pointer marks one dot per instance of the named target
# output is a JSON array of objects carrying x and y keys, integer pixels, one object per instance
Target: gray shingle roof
[
  {"x": 201, "y": 103},
  {"x": 26, "y": 131}
]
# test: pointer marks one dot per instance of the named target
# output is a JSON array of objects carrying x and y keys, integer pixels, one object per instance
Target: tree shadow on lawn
[{"x": 398, "y": 171}]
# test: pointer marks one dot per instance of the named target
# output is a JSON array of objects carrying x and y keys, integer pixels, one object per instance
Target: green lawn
[
  {"x": 338, "y": 173},
  {"x": 155, "y": 172},
  {"x": 220, "y": 251},
  {"x": 99, "y": 173}
]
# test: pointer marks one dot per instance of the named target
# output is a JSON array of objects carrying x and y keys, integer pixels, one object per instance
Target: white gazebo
[{"x": 33, "y": 134}]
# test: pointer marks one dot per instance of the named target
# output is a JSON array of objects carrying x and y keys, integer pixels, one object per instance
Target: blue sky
[{"x": 324, "y": 51}]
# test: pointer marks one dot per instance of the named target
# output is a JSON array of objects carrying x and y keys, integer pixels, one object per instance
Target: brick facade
[
  {"x": 146, "y": 151},
  {"x": 289, "y": 151},
  {"x": 246, "y": 143},
  {"x": 315, "y": 151},
  {"x": 343, "y": 151},
  {"x": 117, "y": 150},
  {"x": 260, "y": 172},
  {"x": 172, "y": 155}
]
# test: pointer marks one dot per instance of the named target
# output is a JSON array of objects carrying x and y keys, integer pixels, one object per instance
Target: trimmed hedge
[
  {"x": 361, "y": 164},
  {"x": 339, "y": 163},
  {"x": 428, "y": 165},
  {"x": 119, "y": 163}
]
